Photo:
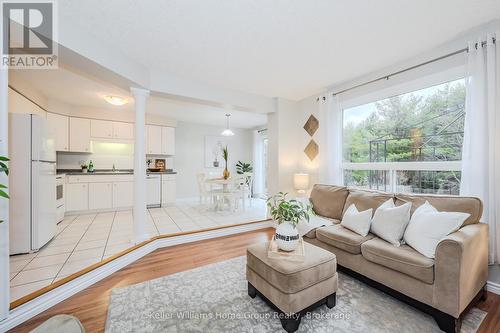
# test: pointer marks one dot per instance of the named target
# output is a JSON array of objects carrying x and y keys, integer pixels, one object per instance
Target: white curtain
[
  {"x": 258, "y": 164},
  {"x": 481, "y": 148},
  {"x": 330, "y": 143}
]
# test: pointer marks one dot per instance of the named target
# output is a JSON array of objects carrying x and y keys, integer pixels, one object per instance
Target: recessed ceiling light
[{"x": 115, "y": 100}]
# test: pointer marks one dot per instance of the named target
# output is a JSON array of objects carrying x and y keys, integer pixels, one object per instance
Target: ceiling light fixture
[
  {"x": 115, "y": 100},
  {"x": 227, "y": 131}
]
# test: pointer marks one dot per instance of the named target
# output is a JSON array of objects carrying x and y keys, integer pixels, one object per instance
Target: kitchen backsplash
[{"x": 104, "y": 155}]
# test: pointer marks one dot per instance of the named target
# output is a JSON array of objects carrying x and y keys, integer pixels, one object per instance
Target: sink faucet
[{"x": 114, "y": 169}]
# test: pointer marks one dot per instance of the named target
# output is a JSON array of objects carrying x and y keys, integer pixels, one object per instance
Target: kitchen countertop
[{"x": 78, "y": 172}]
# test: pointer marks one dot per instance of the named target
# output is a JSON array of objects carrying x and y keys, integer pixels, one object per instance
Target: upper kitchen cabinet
[
  {"x": 101, "y": 129},
  {"x": 154, "y": 140},
  {"x": 106, "y": 129},
  {"x": 58, "y": 126},
  {"x": 168, "y": 141},
  {"x": 123, "y": 131},
  {"x": 79, "y": 135}
]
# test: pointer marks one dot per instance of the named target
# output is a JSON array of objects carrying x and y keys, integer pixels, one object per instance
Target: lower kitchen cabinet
[
  {"x": 100, "y": 196},
  {"x": 168, "y": 189},
  {"x": 77, "y": 197},
  {"x": 123, "y": 194}
]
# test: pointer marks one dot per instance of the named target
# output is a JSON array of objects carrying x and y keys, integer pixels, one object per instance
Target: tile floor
[{"x": 83, "y": 240}]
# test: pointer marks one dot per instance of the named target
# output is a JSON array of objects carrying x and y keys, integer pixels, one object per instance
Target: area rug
[{"x": 214, "y": 298}]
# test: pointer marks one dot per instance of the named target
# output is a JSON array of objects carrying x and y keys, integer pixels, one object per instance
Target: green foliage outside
[
  {"x": 426, "y": 125},
  {"x": 4, "y": 168}
]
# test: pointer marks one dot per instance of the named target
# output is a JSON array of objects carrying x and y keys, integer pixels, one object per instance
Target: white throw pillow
[
  {"x": 357, "y": 221},
  {"x": 389, "y": 222},
  {"x": 428, "y": 226}
]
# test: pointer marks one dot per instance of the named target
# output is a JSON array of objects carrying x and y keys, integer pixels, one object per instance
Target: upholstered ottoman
[{"x": 292, "y": 288}]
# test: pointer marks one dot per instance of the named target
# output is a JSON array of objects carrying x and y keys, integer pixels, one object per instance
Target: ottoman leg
[
  {"x": 252, "y": 292},
  {"x": 291, "y": 324},
  {"x": 331, "y": 300}
]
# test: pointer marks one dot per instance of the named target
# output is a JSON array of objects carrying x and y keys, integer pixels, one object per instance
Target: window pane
[
  {"x": 434, "y": 182},
  {"x": 368, "y": 179},
  {"x": 424, "y": 125}
]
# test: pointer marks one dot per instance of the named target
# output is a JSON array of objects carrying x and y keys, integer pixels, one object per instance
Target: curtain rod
[{"x": 387, "y": 77}]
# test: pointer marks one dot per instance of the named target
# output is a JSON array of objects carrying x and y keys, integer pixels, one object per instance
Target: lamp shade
[{"x": 301, "y": 181}]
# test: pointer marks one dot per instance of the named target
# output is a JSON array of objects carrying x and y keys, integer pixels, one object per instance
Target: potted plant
[
  {"x": 225, "y": 156},
  {"x": 287, "y": 213},
  {"x": 242, "y": 168},
  {"x": 84, "y": 166}
]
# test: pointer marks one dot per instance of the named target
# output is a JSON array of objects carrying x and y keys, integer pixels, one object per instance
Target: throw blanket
[{"x": 315, "y": 222}]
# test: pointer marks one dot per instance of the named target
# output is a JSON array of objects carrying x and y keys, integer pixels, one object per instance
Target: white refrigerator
[{"x": 32, "y": 183}]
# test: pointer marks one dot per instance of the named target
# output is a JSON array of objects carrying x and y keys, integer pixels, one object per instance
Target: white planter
[{"x": 287, "y": 237}]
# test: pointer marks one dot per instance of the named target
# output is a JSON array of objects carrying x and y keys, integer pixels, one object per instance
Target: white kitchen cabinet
[
  {"x": 124, "y": 131},
  {"x": 153, "y": 190},
  {"x": 123, "y": 194},
  {"x": 168, "y": 141},
  {"x": 77, "y": 197},
  {"x": 168, "y": 190},
  {"x": 100, "y": 195},
  {"x": 101, "y": 129},
  {"x": 154, "y": 141},
  {"x": 79, "y": 135},
  {"x": 58, "y": 127}
]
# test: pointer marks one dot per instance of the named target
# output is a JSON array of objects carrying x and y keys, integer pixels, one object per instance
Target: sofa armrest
[{"x": 461, "y": 268}]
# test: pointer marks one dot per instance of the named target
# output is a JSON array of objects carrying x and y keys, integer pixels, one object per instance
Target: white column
[
  {"x": 4, "y": 205},
  {"x": 140, "y": 211}
]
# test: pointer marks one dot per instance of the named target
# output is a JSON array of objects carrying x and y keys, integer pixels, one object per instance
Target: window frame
[{"x": 449, "y": 75}]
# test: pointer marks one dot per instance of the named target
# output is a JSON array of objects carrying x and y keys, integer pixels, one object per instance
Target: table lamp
[{"x": 301, "y": 182}]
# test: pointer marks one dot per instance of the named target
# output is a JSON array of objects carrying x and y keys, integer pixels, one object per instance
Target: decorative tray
[{"x": 297, "y": 255}]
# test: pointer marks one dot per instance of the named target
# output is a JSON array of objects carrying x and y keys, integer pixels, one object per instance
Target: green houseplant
[
  {"x": 288, "y": 214},
  {"x": 4, "y": 168},
  {"x": 242, "y": 168}
]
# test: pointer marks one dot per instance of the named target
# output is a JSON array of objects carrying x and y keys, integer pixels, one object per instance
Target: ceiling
[
  {"x": 275, "y": 48},
  {"x": 80, "y": 91}
]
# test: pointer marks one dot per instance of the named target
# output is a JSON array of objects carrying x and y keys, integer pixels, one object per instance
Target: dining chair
[{"x": 205, "y": 194}]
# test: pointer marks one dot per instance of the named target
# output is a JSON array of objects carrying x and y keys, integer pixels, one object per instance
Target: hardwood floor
[{"x": 91, "y": 304}]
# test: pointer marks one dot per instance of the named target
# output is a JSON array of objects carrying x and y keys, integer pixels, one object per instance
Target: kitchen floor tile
[
  {"x": 84, "y": 245},
  {"x": 55, "y": 259},
  {"x": 34, "y": 275},
  {"x": 72, "y": 267},
  {"x": 51, "y": 250},
  {"x": 19, "y": 257},
  {"x": 17, "y": 292},
  {"x": 86, "y": 254},
  {"x": 17, "y": 266}
]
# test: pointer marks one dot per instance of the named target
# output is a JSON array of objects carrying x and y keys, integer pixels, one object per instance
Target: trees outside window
[{"x": 407, "y": 143}]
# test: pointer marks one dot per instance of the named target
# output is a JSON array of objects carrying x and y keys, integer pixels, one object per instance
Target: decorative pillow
[
  {"x": 357, "y": 221},
  {"x": 389, "y": 222},
  {"x": 428, "y": 226}
]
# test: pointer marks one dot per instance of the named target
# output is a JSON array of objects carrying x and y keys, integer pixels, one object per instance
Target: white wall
[{"x": 190, "y": 154}]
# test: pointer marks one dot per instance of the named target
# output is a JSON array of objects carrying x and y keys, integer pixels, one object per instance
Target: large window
[{"x": 407, "y": 143}]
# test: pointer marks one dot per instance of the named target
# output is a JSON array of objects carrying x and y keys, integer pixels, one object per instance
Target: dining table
[{"x": 219, "y": 182}]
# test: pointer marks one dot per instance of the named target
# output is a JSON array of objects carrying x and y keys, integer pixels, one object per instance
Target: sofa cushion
[
  {"x": 342, "y": 238},
  {"x": 364, "y": 199},
  {"x": 290, "y": 276},
  {"x": 328, "y": 200},
  {"x": 443, "y": 203},
  {"x": 403, "y": 259}
]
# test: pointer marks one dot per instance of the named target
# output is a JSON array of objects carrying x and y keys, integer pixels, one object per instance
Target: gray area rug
[{"x": 214, "y": 298}]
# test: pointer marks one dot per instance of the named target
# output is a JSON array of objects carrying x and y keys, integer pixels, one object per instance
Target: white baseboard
[
  {"x": 493, "y": 287},
  {"x": 30, "y": 309}
]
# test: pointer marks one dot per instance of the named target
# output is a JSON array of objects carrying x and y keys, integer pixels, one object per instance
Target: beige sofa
[{"x": 444, "y": 287}]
